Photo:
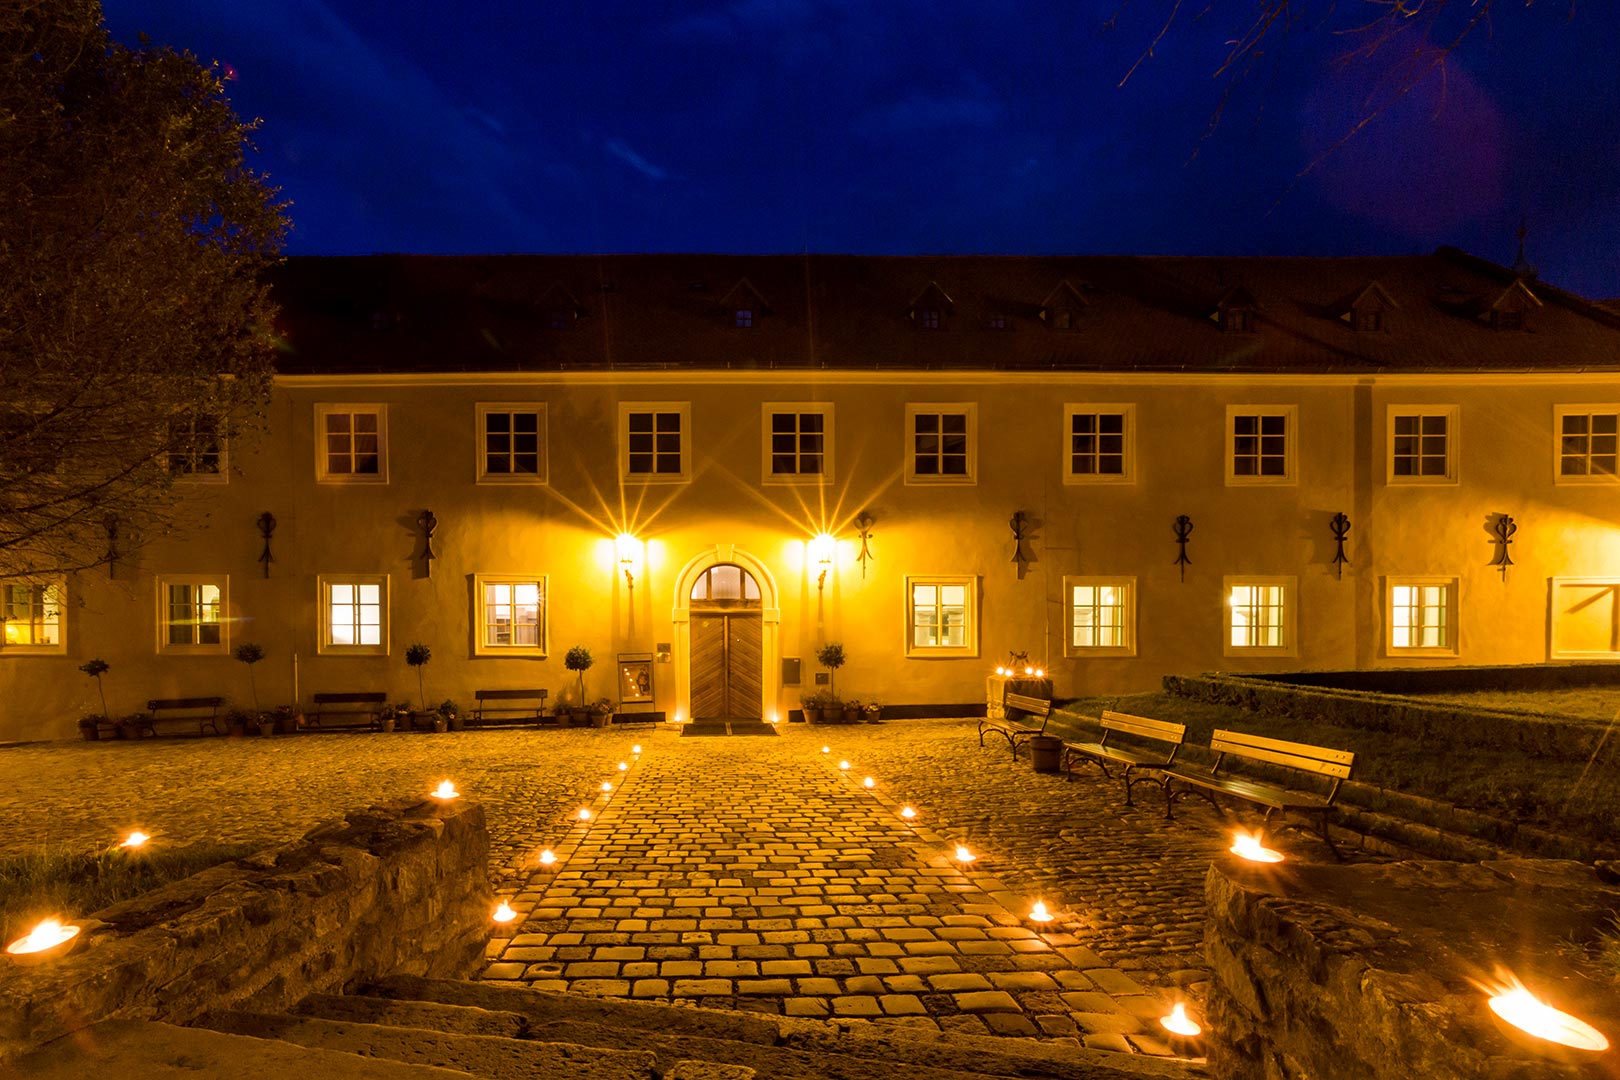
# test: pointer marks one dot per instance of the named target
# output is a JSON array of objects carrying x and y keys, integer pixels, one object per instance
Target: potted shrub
[
  {"x": 874, "y": 712},
  {"x": 852, "y": 712},
  {"x": 579, "y": 661},
  {"x": 450, "y": 714},
  {"x": 387, "y": 717},
  {"x": 89, "y": 725},
  {"x": 240, "y": 722},
  {"x": 601, "y": 712},
  {"x": 831, "y": 657},
  {"x": 821, "y": 707},
  {"x": 131, "y": 726},
  {"x": 250, "y": 653},
  {"x": 288, "y": 719},
  {"x": 417, "y": 656}
]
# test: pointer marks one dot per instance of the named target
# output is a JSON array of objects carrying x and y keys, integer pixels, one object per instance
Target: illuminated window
[
  {"x": 943, "y": 444},
  {"x": 743, "y": 318},
  {"x": 352, "y": 444},
  {"x": 928, "y": 318},
  {"x": 652, "y": 441},
  {"x": 1588, "y": 444},
  {"x": 942, "y": 616},
  {"x": 996, "y": 322},
  {"x": 1422, "y": 444},
  {"x": 512, "y": 446},
  {"x": 510, "y": 612},
  {"x": 798, "y": 443},
  {"x": 1422, "y": 616},
  {"x": 1097, "y": 443},
  {"x": 196, "y": 448},
  {"x": 191, "y": 614},
  {"x": 33, "y": 618},
  {"x": 1260, "y": 615},
  {"x": 1102, "y": 616},
  {"x": 1260, "y": 444},
  {"x": 354, "y": 614}
]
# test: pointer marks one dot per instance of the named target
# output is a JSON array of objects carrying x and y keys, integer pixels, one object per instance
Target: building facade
[{"x": 1123, "y": 467}]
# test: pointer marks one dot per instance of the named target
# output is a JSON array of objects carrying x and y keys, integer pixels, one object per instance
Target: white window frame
[
  {"x": 326, "y": 408},
  {"x": 223, "y": 475},
  {"x": 1082, "y": 408},
  {"x": 1290, "y": 614},
  {"x": 481, "y": 645},
  {"x": 59, "y": 586},
  {"x": 1453, "y": 430},
  {"x": 684, "y": 408},
  {"x": 1557, "y": 650},
  {"x": 481, "y": 441},
  {"x": 970, "y": 616},
  {"x": 969, "y": 409},
  {"x": 323, "y": 597},
  {"x": 1127, "y": 646},
  {"x": 1580, "y": 409},
  {"x": 770, "y": 409},
  {"x": 1453, "y": 603},
  {"x": 1290, "y": 474},
  {"x": 164, "y": 646}
]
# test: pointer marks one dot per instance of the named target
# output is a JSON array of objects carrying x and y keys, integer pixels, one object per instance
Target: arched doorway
[
  {"x": 727, "y": 669},
  {"x": 689, "y": 617}
]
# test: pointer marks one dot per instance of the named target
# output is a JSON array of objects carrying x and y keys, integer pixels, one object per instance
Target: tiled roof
[{"x": 414, "y": 313}]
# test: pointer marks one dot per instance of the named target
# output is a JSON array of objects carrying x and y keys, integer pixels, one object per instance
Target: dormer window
[
  {"x": 930, "y": 307},
  {"x": 1237, "y": 321},
  {"x": 1369, "y": 322},
  {"x": 1508, "y": 311},
  {"x": 743, "y": 306},
  {"x": 1234, "y": 311},
  {"x": 997, "y": 322},
  {"x": 559, "y": 308},
  {"x": 1063, "y": 319},
  {"x": 558, "y": 319},
  {"x": 743, "y": 318},
  {"x": 928, "y": 318},
  {"x": 1062, "y": 307},
  {"x": 1508, "y": 319},
  {"x": 1365, "y": 314}
]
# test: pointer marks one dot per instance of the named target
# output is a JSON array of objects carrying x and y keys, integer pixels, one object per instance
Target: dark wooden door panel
[
  {"x": 708, "y": 666},
  {"x": 744, "y": 665}
]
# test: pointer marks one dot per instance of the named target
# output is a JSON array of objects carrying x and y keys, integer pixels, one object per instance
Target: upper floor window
[
  {"x": 942, "y": 443},
  {"x": 512, "y": 447},
  {"x": 798, "y": 443},
  {"x": 191, "y": 614},
  {"x": 1422, "y": 615},
  {"x": 354, "y": 613},
  {"x": 1422, "y": 444},
  {"x": 1097, "y": 443},
  {"x": 653, "y": 441},
  {"x": 996, "y": 322},
  {"x": 32, "y": 615},
  {"x": 1102, "y": 616},
  {"x": 1369, "y": 321},
  {"x": 942, "y": 616},
  {"x": 743, "y": 318},
  {"x": 1588, "y": 449},
  {"x": 351, "y": 443},
  {"x": 1260, "y": 444},
  {"x": 510, "y": 613},
  {"x": 1260, "y": 615},
  {"x": 196, "y": 447},
  {"x": 928, "y": 318}
]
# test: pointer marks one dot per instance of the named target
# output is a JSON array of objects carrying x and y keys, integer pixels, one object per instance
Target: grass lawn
[
  {"x": 76, "y": 883},
  {"x": 1574, "y": 797}
]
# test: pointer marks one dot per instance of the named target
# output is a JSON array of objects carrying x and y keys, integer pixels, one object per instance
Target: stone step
[{"x": 779, "y": 1047}]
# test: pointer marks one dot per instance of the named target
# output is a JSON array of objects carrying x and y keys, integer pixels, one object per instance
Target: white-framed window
[
  {"x": 196, "y": 448},
  {"x": 1421, "y": 616},
  {"x": 797, "y": 442},
  {"x": 1099, "y": 444},
  {"x": 942, "y": 616},
  {"x": 1260, "y": 616},
  {"x": 32, "y": 617},
  {"x": 1101, "y": 616},
  {"x": 1422, "y": 444},
  {"x": 1587, "y": 444},
  {"x": 351, "y": 443},
  {"x": 1586, "y": 618},
  {"x": 655, "y": 441},
  {"x": 512, "y": 442},
  {"x": 191, "y": 614},
  {"x": 942, "y": 442},
  {"x": 1260, "y": 444},
  {"x": 354, "y": 614},
  {"x": 509, "y": 611}
]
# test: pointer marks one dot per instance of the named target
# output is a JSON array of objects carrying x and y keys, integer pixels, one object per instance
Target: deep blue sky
[{"x": 889, "y": 126}]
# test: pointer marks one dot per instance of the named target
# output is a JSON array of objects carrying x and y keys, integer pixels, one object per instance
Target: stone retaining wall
[{"x": 395, "y": 889}]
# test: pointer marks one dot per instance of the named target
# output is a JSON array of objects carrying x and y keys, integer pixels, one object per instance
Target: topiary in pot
[
  {"x": 250, "y": 653},
  {"x": 96, "y": 669},
  {"x": 417, "y": 657},
  {"x": 831, "y": 657},
  {"x": 579, "y": 661}
]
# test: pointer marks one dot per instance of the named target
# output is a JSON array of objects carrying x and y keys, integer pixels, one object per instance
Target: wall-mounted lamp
[
  {"x": 628, "y": 548},
  {"x": 821, "y": 550}
]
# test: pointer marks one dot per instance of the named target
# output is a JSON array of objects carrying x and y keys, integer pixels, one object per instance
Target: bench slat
[
  {"x": 1142, "y": 727},
  {"x": 186, "y": 703},
  {"x": 1122, "y": 754},
  {"x": 1264, "y": 794},
  {"x": 1321, "y": 760},
  {"x": 1034, "y": 705},
  {"x": 510, "y": 695}
]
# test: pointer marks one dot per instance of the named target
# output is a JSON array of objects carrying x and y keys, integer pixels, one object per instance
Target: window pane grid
[
  {"x": 194, "y": 446},
  {"x": 797, "y": 444},
  {"x": 1097, "y": 614},
  {"x": 1097, "y": 444},
  {"x": 1589, "y": 444},
  {"x": 1260, "y": 445},
  {"x": 1420, "y": 445},
  {"x": 354, "y": 614},
  {"x": 193, "y": 615},
  {"x": 513, "y": 613},
  {"x": 512, "y": 443},
  {"x": 1257, "y": 616},
  {"x": 1420, "y": 616},
  {"x": 939, "y": 616},
  {"x": 33, "y": 615},
  {"x": 353, "y": 444},
  {"x": 940, "y": 444},
  {"x": 654, "y": 442}
]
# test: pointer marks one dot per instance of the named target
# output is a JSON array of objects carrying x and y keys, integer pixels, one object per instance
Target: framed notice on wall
[{"x": 635, "y": 678}]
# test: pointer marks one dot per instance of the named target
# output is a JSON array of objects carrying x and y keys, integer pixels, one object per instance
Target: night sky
[{"x": 892, "y": 127}]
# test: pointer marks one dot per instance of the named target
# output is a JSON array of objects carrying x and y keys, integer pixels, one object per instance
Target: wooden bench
[
  {"x": 1104, "y": 752},
  {"x": 202, "y": 711},
  {"x": 1302, "y": 758},
  {"x": 1013, "y": 730},
  {"x": 346, "y": 705},
  {"x": 483, "y": 712}
]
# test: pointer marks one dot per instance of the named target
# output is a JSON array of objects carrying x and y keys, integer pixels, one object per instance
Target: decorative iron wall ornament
[
  {"x": 267, "y": 526},
  {"x": 1019, "y": 522},
  {"x": 1341, "y": 529},
  {"x": 1504, "y": 528},
  {"x": 1184, "y": 528},
  {"x": 110, "y": 523},
  {"x": 428, "y": 523},
  {"x": 864, "y": 523}
]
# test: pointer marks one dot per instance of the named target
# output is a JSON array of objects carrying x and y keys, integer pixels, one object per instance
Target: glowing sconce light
[
  {"x": 1518, "y": 1007},
  {"x": 869, "y": 783},
  {"x": 623, "y": 766},
  {"x": 46, "y": 941},
  {"x": 843, "y": 765},
  {"x": 1038, "y": 913},
  {"x": 907, "y": 812},
  {"x": 1177, "y": 1022},
  {"x": 548, "y": 857},
  {"x": 1000, "y": 670},
  {"x": 821, "y": 552},
  {"x": 628, "y": 548},
  {"x": 504, "y": 913},
  {"x": 584, "y": 813},
  {"x": 1039, "y": 674},
  {"x": 135, "y": 839},
  {"x": 446, "y": 791},
  {"x": 1029, "y": 671},
  {"x": 1248, "y": 846},
  {"x": 963, "y": 855}
]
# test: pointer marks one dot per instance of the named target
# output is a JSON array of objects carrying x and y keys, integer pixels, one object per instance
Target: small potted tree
[
  {"x": 417, "y": 656},
  {"x": 579, "y": 661},
  {"x": 831, "y": 657},
  {"x": 90, "y": 724},
  {"x": 250, "y": 653}
]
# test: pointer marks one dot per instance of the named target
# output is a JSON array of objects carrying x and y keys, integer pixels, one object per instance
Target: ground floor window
[
  {"x": 191, "y": 614},
  {"x": 32, "y": 616},
  {"x": 1260, "y": 615},
  {"x": 1422, "y": 615},
  {"x": 1586, "y": 618},
  {"x": 354, "y": 614},
  {"x": 942, "y": 616},
  {"x": 1101, "y": 616},
  {"x": 510, "y": 615}
]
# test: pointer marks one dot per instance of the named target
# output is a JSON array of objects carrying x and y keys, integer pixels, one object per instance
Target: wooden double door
[{"x": 727, "y": 665}]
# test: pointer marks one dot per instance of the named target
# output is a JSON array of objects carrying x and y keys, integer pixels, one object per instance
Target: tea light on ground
[
  {"x": 869, "y": 782},
  {"x": 1179, "y": 1023},
  {"x": 1519, "y": 1007},
  {"x": 135, "y": 839},
  {"x": 504, "y": 913},
  {"x": 606, "y": 786},
  {"x": 1038, "y": 913},
  {"x": 826, "y": 749},
  {"x": 843, "y": 764},
  {"x": 1248, "y": 846},
  {"x": 963, "y": 855},
  {"x": 547, "y": 857},
  {"x": 907, "y": 812},
  {"x": 636, "y": 749},
  {"x": 446, "y": 790},
  {"x": 624, "y": 766},
  {"x": 584, "y": 813},
  {"x": 45, "y": 941}
]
